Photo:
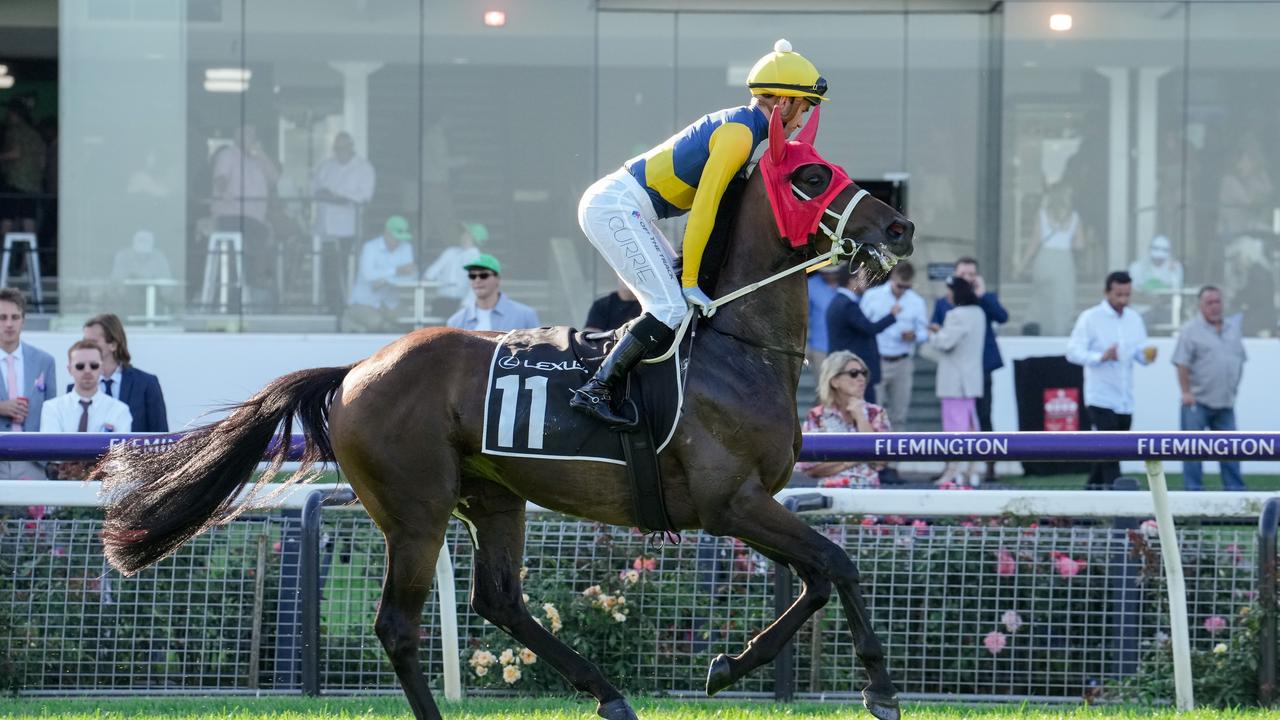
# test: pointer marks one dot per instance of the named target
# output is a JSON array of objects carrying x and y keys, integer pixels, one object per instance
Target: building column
[
  {"x": 1148, "y": 148},
  {"x": 1117, "y": 166},
  {"x": 355, "y": 100}
]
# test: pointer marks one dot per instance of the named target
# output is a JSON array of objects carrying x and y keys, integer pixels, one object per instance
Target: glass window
[
  {"x": 1084, "y": 112},
  {"x": 1232, "y": 157}
]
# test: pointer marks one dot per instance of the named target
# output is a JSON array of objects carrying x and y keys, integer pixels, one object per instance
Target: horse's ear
[
  {"x": 777, "y": 136},
  {"x": 809, "y": 132}
]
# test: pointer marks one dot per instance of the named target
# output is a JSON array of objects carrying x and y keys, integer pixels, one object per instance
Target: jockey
[{"x": 687, "y": 173}]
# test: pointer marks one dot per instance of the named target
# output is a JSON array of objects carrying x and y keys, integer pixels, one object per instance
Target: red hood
[{"x": 797, "y": 219}]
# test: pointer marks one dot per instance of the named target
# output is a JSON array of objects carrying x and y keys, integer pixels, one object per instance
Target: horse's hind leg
[
  {"x": 765, "y": 646},
  {"x": 498, "y": 518},
  {"x": 411, "y": 564},
  {"x": 760, "y": 521}
]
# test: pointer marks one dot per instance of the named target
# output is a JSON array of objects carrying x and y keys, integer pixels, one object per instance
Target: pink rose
[
  {"x": 994, "y": 642},
  {"x": 1004, "y": 563},
  {"x": 1067, "y": 566},
  {"x": 1214, "y": 623},
  {"x": 644, "y": 563},
  {"x": 920, "y": 526},
  {"x": 869, "y": 520}
]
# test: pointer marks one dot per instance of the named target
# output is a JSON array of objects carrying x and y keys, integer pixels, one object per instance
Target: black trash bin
[{"x": 1046, "y": 390}]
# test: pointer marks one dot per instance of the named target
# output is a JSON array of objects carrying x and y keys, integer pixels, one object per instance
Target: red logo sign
[{"x": 1062, "y": 409}]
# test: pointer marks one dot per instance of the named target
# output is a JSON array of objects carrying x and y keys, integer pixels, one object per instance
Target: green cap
[
  {"x": 478, "y": 232},
  {"x": 398, "y": 228},
  {"x": 485, "y": 262}
]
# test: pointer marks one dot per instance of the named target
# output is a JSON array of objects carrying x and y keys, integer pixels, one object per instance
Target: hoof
[
  {"x": 883, "y": 707},
  {"x": 719, "y": 675},
  {"x": 617, "y": 710}
]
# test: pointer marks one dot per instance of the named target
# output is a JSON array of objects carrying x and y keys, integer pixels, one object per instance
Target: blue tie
[{"x": 109, "y": 382}]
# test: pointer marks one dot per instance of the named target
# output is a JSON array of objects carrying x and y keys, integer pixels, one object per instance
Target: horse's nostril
[{"x": 896, "y": 230}]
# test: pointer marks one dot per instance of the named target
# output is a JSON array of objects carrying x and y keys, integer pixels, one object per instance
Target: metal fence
[{"x": 976, "y": 608}]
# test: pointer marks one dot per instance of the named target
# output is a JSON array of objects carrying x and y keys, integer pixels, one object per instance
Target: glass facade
[{"x": 201, "y": 170}]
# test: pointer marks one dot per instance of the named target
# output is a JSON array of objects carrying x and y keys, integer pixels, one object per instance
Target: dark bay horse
[{"x": 405, "y": 427}]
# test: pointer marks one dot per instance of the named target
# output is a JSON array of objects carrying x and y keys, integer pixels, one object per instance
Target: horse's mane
[{"x": 713, "y": 257}]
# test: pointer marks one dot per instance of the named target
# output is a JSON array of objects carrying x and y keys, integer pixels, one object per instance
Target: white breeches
[{"x": 618, "y": 218}]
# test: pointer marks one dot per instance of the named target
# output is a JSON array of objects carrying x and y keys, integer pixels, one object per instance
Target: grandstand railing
[{"x": 888, "y": 446}]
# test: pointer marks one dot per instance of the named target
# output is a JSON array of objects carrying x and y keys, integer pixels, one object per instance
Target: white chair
[
  {"x": 33, "y": 264},
  {"x": 224, "y": 249}
]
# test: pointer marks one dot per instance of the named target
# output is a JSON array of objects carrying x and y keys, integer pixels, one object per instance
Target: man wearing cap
[
  {"x": 374, "y": 298},
  {"x": 450, "y": 269},
  {"x": 492, "y": 309},
  {"x": 686, "y": 174},
  {"x": 1159, "y": 271}
]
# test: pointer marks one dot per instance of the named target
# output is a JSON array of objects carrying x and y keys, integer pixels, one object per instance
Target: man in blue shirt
[
  {"x": 897, "y": 344},
  {"x": 822, "y": 290}
]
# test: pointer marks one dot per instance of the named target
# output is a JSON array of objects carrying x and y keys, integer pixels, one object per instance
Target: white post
[
  {"x": 1179, "y": 631},
  {"x": 447, "y": 592}
]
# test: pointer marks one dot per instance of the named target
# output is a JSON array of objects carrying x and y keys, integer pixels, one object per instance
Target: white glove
[{"x": 696, "y": 298}]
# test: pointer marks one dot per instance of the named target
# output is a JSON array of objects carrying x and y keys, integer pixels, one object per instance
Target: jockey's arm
[{"x": 729, "y": 149}]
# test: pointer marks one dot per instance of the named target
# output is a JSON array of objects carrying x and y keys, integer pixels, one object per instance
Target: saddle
[{"x": 532, "y": 376}]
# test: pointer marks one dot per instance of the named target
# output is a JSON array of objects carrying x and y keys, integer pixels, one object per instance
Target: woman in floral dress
[{"x": 842, "y": 383}]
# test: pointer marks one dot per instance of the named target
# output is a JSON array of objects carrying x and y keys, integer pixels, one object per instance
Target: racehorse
[{"x": 405, "y": 426}]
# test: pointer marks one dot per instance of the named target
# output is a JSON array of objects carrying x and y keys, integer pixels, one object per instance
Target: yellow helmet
[{"x": 785, "y": 72}]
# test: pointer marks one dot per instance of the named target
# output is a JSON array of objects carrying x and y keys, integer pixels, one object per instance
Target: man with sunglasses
[
  {"x": 492, "y": 308},
  {"x": 86, "y": 408},
  {"x": 688, "y": 173}
]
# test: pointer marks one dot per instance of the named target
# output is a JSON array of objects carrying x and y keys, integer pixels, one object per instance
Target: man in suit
[
  {"x": 849, "y": 329},
  {"x": 29, "y": 379},
  {"x": 121, "y": 380}
]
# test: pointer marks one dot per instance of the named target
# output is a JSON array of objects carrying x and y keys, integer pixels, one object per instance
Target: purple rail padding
[
  {"x": 889, "y": 447},
  {"x": 91, "y": 446},
  {"x": 1041, "y": 446}
]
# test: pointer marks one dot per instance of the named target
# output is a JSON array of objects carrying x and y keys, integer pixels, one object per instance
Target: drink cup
[{"x": 1149, "y": 352}]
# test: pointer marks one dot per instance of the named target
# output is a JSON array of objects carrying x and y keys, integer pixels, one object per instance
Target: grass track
[{"x": 389, "y": 706}]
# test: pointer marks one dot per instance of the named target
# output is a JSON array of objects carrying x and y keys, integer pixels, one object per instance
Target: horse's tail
[{"x": 159, "y": 498}]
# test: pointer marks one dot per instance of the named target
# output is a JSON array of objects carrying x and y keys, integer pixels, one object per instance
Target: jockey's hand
[{"x": 696, "y": 298}]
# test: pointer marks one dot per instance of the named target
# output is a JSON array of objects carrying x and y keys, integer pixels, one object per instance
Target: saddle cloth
[{"x": 532, "y": 376}]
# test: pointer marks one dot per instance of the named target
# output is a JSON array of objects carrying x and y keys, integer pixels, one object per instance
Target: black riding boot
[{"x": 597, "y": 397}]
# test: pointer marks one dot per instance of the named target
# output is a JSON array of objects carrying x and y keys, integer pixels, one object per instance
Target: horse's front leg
[
  {"x": 765, "y": 646},
  {"x": 755, "y": 517}
]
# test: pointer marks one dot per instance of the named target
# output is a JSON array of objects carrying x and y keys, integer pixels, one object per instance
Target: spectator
[
  {"x": 1159, "y": 271},
  {"x": 492, "y": 309},
  {"x": 842, "y": 407},
  {"x": 1107, "y": 339},
  {"x": 29, "y": 380},
  {"x": 1210, "y": 360},
  {"x": 139, "y": 390},
  {"x": 450, "y": 269},
  {"x": 967, "y": 268},
  {"x": 613, "y": 310},
  {"x": 22, "y": 163},
  {"x": 1052, "y": 260},
  {"x": 374, "y": 298},
  {"x": 341, "y": 184},
  {"x": 898, "y": 342},
  {"x": 86, "y": 408},
  {"x": 243, "y": 177},
  {"x": 822, "y": 290},
  {"x": 849, "y": 329},
  {"x": 141, "y": 260},
  {"x": 1252, "y": 285},
  {"x": 957, "y": 345}
]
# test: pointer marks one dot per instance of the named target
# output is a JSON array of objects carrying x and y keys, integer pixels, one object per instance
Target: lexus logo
[{"x": 508, "y": 363}]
